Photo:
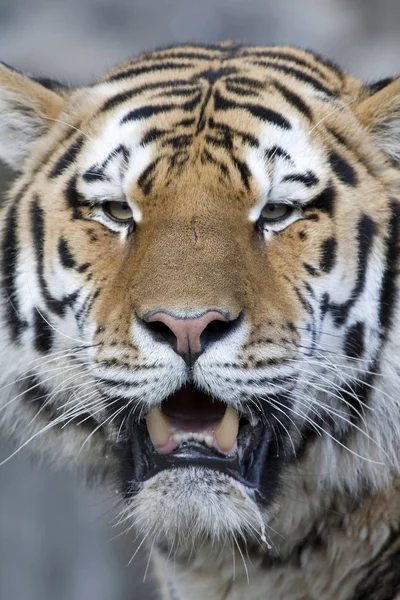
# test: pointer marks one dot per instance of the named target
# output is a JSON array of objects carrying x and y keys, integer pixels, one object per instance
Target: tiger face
[{"x": 198, "y": 262}]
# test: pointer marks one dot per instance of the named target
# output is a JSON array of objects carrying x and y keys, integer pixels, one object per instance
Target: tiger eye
[
  {"x": 118, "y": 211},
  {"x": 275, "y": 212}
]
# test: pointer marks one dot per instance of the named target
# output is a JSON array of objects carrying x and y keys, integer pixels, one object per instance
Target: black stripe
[
  {"x": 191, "y": 104},
  {"x": 127, "y": 95},
  {"x": 332, "y": 66},
  {"x": 144, "y": 112},
  {"x": 343, "y": 169},
  {"x": 136, "y": 71},
  {"x": 356, "y": 397},
  {"x": 10, "y": 249},
  {"x": 238, "y": 90},
  {"x": 179, "y": 91},
  {"x": 286, "y": 57},
  {"x": 377, "y": 86},
  {"x": 219, "y": 142},
  {"x": 264, "y": 114},
  {"x": 299, "y": 75},
  {"x": 244, "y": 171},
  {"x": 310, "y": 269},
  {"x": 185, "y": 122},
  {"x": 152, "y": 135},
  {"x": 277, "y": 152},
  {"x": 388, "y": 292},
  {"x": 247, "y": 82},
  {"x": 201, "y": 121},
  {"x": 86, "y": 307},
  {"x": 95, "y": 173},
  {"x": 68, "y": 133},
  {"x": 268, "y": 115},
  {"x": 228, "y": 132},
  {"x": 43, "y": 333},
  {"x": 325, "y": 201},
  {"x": 294, "y": 100},
  {"x": 145, "y": 182},
  {"x": 360, "y": 158},
  {"x": 213, "y": 75},
  {"x": 354, "y": 340},
  {"x": 366, "y": 231},
  {"x": 84, "y": 267},
  {"x": 308, "y": 179},
  {"x": 304, "y": 302},
  {"x": 98, "y": 172},
  {"x": 58, "y": 307},
  {"x": 328, "y": 255},
  {"x": 178, "y": 141},
  {"x": 67, "y": 158},
  {"x": 66, "y": 258},
  {"x": 72, "y": 197}
]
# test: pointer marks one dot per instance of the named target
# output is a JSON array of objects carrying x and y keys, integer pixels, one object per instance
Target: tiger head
[{"x": 198, "y": 297}]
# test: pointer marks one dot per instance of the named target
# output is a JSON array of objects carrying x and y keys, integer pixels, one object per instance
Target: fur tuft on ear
[
  {"x": 380, "y": 114},
  {"x": 25, "y": 107}
]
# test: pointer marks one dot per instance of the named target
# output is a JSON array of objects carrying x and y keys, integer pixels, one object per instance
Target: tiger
[{"x": 200, "y": 311}]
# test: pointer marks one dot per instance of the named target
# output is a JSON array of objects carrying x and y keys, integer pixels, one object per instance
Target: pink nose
[{"x": 188, "y": 337}]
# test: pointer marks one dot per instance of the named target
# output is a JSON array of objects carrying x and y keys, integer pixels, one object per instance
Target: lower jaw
[{"x": 182, "y": 510}]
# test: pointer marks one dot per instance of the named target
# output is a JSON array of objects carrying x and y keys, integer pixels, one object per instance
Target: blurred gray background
[{"x": 55, "y": 534}]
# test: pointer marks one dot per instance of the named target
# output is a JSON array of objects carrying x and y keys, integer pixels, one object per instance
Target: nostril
[
  {"x": 161, "y": 332},
  {"x": 216, "y": 330}
]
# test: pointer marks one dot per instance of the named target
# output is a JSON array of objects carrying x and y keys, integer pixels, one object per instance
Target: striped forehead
[{"x": 272, "y": 146}]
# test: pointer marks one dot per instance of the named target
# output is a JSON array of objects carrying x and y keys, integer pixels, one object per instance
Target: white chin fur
[{"x": 193, "y": 504}]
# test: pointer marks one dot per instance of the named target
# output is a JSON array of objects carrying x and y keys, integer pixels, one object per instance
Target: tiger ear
[
  {"x": 380, "y": 114},
  {"x": 26, "y": 105}
]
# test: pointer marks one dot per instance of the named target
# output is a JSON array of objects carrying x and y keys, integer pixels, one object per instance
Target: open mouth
[{"x": 191, "y": 428}]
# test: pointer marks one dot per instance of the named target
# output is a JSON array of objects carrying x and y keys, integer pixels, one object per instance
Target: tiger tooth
[
  {"x": 209, "y": 440},
  {"x": 158, "y": 426},
  {"x": 227, "y": 430}
]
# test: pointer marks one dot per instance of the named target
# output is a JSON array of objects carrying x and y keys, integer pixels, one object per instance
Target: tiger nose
[{"x": 188, "y": 337}]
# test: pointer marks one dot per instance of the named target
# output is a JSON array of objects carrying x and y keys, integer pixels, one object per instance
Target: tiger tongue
[{"x": 165, "y": 433}]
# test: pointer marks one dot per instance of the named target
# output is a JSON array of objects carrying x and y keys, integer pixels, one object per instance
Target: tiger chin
[{"x": 199, "y": 307}]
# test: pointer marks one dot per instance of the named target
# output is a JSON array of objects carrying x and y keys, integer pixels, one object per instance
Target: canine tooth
[
  {"x": 227, "y": 430},
  {"x": 158, "y": 427},
  {"x": 209, "y": 440}
]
